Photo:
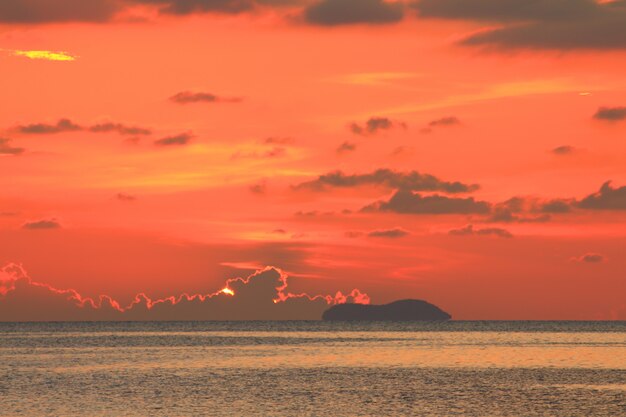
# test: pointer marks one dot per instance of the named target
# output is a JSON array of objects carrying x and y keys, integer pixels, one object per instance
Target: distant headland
[{"x": 402, "y": 310}]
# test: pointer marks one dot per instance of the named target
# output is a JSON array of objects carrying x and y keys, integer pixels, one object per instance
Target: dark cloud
[
  {"x": 275, "y": 152},
  {"x": 592, "y": 258},
  {"x": 402, "y": 151},
  {"x": 611, "y": 114},
  {"x": 66, "y": 125},
  {"x": 63, "y": 125},
  {"x": 7, "y": 149},
  {"x": 519, "y": 210},
  {"x": 259, "y": 188},
  {"x": 412, "y": 180},
  {"x": 263, "y": 295},
  {"x": 278, "y": 141},
  {"x": 506, "y": 10},
  {"x": 317, "y": 213},
  {"x": 187, "y": 97},
  {"x": 374, "y": 125},
  {"x": 389, "y": 233},
  {"x": 346, "y": 12},
  {"x": 119, "y": 128},
  {"x": 177, "y": 140},
  {"x": 541, "y": 24},
  {"x": 445, "y": 121},
  {"x": 47, "y": 11},
  {"x": 346, "y": 147},
  {"x": 556, "y": 206},
  {"x": 408, "y": 202},
  {"x": 42, "y": 225},
  {"x": 563, "y": 150},
  {"x": 183, "y": 7},
  {"x": 506, "y": 215},
  {"x": 608, "y": 198},
  {"x": 127, "y": 198},
  {"x": 469, "y": 230}
]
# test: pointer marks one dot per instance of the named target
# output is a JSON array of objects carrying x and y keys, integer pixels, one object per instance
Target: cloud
[
  {"x": 347, "y": 12},
  {"x": 402, "y": 151},
  {"x": 521, "y": 210},
  {"x": 58, "y": 11},
  {"x": 187, "y": 97},
  {"x": 62, "y": 125},
  {"x": 119, "y": 128},
  {"x": 7, "y": 149},
  {"x": 42, "y": 225},
  {"x": 505, "y": 10},
  {"x": 264, "y": 295},
  {"x": 177, "y": 140},
  {"x": 45, "y": 55},
  {"x": 259, "y": 188},
  {"x": 125, "y": 197},
  {"x": 184, "y": 7},
  {"x": 389, "y": 233},
  {"x": 275, "y": 152},
  {"x": 374, "y": 125},
  {"x": 445, "y": 121},
  {"x": 540, "y": 24},
  {"x": 608, "y": 198},
  {"x": 346, "y": 147},
  {"x": 469, "y": 230},
  {"x": 66, "y": 125},
  {"x": 412, "y": 180},
  {"x": 46, "y": 11},
  {"x": 563, "y": 150},
  {"x": 611, "y": 114},
  {"x": 408, "y": 202},
  {"x": 556, "y": 206},
  {"x": 278, "y": 141},
  {"x": 507, "y": 215},
  {"x": 592, "y": 258}
]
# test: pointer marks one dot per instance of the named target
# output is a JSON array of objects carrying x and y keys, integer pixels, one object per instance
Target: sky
[{"x": 241, "y": 159}]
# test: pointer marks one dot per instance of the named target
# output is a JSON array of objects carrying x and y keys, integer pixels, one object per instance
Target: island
[{"x": 402, "y": 310}]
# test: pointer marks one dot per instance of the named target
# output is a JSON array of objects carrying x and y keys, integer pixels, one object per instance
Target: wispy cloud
[{"x": 44, "y": 55}]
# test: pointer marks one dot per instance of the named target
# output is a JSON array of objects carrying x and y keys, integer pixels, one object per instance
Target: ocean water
[{"x": 313, "y": 369}]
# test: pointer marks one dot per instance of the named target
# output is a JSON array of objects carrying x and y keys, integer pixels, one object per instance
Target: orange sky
[{"x": 110, "y": 186}]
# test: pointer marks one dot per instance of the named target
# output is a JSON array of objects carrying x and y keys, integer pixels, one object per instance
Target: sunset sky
[{"x": 471, "y": 153}]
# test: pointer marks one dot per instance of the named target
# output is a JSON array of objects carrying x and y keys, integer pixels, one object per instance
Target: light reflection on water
[{"x": 90, "y": 369}]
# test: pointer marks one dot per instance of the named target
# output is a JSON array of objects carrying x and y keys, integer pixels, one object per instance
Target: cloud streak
[
  {"x": 7, "y": 149},
  {"x": 65, "y": 125},
  {"x": 45, "y": 55},
  {"x": 177, "y": 140},
  {"x": 42, "y": 225},
  {"x": 469, "y": 230},
  {"x": 388, "y": 178},
  {"x": 188, "y": 97}
]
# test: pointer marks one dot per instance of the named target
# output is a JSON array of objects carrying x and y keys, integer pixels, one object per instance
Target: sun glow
[{"x": 228, "y": 291}]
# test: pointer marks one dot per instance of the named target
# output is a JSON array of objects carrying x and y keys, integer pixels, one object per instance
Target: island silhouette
[{"x": 402, "y": 310}]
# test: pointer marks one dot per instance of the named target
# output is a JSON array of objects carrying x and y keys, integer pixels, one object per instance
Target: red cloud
[{"x": 263, "y": 295}]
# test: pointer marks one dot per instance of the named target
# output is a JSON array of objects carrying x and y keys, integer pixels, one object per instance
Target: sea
[{"x": 455, "y": 368}]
